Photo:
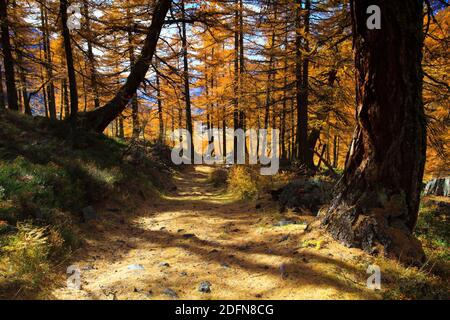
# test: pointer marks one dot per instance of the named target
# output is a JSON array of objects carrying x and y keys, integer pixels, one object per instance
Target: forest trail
[{"x": 166, "y": 249}]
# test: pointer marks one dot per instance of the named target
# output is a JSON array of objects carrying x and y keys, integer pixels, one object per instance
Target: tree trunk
[
  {"x": 236, "y": 80},
  {"x": 65, "y": 99},
  {"x": 2, "y": 94},
  {"x": 187, "y": 93},
  {"x": 8, "y": 59},
  {"x": 302, "y": 130},
  {"x": 23, "y": 84},
  {"x": 48, "y": 61},
  {"x": 100, "y": 118},
  {"x": 69, "y": 60},
  {"x": 134, "y": 100},
  {"x": 307, "y": 151},
  {"x": 159, "y": 99},
  {"x": 90, "y": 54},
  {"x": 377, "y": 200},
  {"x": 241, "y": 66}
]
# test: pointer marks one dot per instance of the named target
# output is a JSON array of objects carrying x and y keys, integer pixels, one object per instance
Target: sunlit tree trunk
[
  {"x": 187, "y": 93},
  {"x": 377, "y": 200}
]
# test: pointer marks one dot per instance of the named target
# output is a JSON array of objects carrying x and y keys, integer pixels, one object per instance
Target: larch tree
[{"x": 100, "y": 118}]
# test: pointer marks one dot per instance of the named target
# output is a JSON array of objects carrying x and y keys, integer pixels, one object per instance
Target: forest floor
[{"x": 165, "y": 248}]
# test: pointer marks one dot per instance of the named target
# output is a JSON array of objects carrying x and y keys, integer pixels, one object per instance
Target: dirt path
[{"x": 200, "y": 233}]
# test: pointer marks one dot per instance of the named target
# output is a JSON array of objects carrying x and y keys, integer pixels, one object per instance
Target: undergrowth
[
  {"x": 432, "y": 280},
  {"x": 46, "y": 177}
]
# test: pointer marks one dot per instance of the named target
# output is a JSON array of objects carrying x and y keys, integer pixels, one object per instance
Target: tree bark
[
  {"x": 8, "y": 60},
  {"x": 100, "y": 118},
  {"x": 377, "y": 200}
]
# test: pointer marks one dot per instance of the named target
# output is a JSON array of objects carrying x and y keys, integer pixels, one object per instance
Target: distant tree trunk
[
  {"x": 241, "y": 65},
  {"x": 65, "y": 99},
  {"x": 2, "y": 94},
  {"x": 187, "y": 93},
  {"x": 120, "y": 129},
  {"x": 270, "y": 77},
  {"x": 19, "y": 99},
  {"x": 292, "y": 144},
  {"x": 134, "y": 100},
  {"x": 236, "y": 80},
  {"x": 90, "y": 54},
  {"x": 69, "y": 61},
  {"x": 308, "y": 150},
  {"x": 302, "y": 130},
  {"x": 48, "y": 61},
  {"x": 8, "y": 59},
  {"x": 336, "y": 151},
  {"x": 23, "y": 84},
  {"x": 61, "y": 100},
  {"x": 284, "y": 107},
  {"x": 224, "y": 131},
  {"x": 377, "y": 203},
  {"x": 160, "y": 110},
  {"x": 100, "y": 118}
]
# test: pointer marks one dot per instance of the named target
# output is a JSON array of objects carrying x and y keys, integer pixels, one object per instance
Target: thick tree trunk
[
  {"x": 8, "y": 59},
  {"x": 100, "y": 118},
  {"x": 378, "y": 197},
  {"x": 69, "y": 60}
]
